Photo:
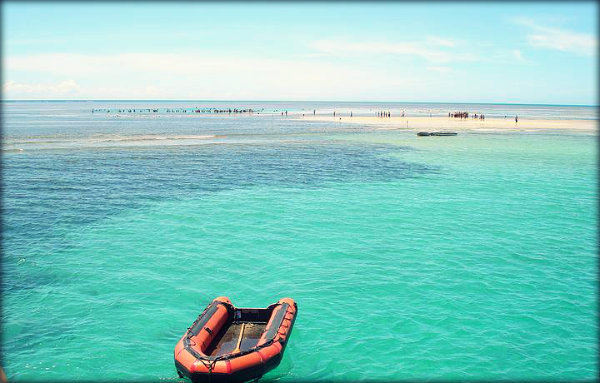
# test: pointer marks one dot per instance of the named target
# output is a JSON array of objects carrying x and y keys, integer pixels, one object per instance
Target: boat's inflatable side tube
[
  {"x": 207, "y": 326},
  {"x": 199, "y": 336},
  {"x": 274, "y": 323},
  {"x": 203, "y": 319}
]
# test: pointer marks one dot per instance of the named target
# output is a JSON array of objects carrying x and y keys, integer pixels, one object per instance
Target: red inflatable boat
[{"x": 229, "y": 344}]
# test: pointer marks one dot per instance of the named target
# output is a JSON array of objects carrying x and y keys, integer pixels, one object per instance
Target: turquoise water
[{"x": 411, "y": 258}]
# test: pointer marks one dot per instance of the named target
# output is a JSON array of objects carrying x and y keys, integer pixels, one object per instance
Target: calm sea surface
[{"x": 440, "y": 258}]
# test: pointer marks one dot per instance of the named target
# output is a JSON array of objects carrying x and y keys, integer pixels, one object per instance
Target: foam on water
[{"x": 470, "y": 257}]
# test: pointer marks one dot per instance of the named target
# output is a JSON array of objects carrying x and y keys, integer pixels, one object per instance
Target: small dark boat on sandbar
[
  {"x": 230, "y": 344},
  {"x": 437, "y": 134}
]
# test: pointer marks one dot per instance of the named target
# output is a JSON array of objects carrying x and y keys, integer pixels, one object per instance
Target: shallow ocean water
[{"x": 411, "y": 258}]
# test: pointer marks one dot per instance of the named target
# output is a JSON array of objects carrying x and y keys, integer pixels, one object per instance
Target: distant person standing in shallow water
[{"x": 516, "y": 119}]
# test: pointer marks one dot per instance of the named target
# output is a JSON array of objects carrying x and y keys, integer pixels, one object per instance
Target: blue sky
[{"x": 440, "y": 52}]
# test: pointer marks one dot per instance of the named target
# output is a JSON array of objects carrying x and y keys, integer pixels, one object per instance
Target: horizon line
[{"x": 305, "y": 101}]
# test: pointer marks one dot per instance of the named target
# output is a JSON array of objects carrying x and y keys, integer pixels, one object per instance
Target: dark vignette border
[{"x": 2, "y": 48}]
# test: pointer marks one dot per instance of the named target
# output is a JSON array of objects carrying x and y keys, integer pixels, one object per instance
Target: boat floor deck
[{"x": 227, "y": 340}]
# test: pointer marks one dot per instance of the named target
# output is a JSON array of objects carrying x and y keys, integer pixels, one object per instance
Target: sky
[{"x": 504, "y": 52}]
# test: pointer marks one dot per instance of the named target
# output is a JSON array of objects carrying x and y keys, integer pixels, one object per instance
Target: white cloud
[
  {"x": 65, "y": 64},
  {"x": 433, "y": 49},
  {"x": 194, "y": 76},
  {"x": 152, "y": 91},
  {"x": 32, "y": 41},
  {"x": 518, "y": 55},
  {"x": 41, "y": 90},
  {"x": 435, "y": 40},
  {"x": 440, "y": 69},
  {"x": 559, "y": 39}
]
